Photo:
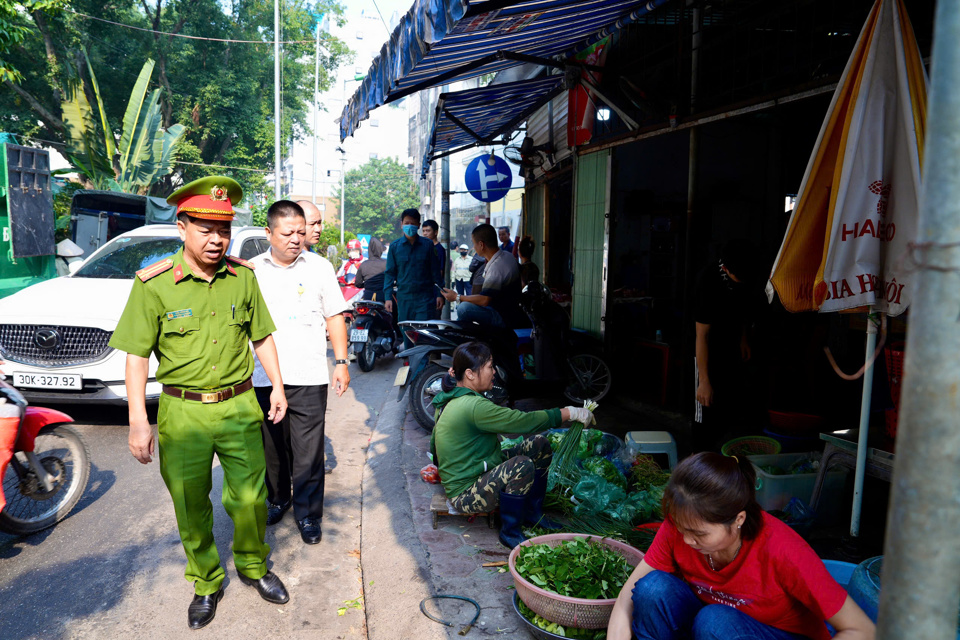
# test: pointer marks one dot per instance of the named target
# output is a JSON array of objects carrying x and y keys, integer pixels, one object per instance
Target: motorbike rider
[
  {"x": 348, "y": 270},
  {"x": 370, "y": 272},
  {"x": 476, "y": 475}
]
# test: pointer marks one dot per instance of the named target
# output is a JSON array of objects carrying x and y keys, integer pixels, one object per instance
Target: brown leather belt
[{"x": 212, "y": 396}]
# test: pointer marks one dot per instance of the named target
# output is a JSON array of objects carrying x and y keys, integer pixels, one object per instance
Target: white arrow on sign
[{"x": 486, "y": 178}]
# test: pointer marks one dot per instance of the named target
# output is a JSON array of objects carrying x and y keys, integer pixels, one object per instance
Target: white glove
[{"x": 580, "y": 414}]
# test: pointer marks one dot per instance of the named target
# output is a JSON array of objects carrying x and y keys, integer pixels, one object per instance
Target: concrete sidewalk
[{"x": 405, "y": 560}]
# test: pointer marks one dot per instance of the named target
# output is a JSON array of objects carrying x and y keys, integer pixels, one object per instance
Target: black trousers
[{"x": 294, "y": 449}]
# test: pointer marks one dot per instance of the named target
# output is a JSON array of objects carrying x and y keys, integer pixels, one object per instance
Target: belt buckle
[{"x": 210, "y": 398}]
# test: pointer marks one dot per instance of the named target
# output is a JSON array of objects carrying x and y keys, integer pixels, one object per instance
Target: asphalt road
[{"x": 114, "y": 567}]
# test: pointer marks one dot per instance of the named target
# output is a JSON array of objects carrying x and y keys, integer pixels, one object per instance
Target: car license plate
[
  {"x": 48, "y": 380},
  {"x": 359, "y": 335}
]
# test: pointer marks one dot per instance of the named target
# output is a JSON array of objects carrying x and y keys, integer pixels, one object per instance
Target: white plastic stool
[{"x": 653, "y": 442}]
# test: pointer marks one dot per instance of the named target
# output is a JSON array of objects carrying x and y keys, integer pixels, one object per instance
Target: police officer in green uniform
[{"x": 197, "y": 311}]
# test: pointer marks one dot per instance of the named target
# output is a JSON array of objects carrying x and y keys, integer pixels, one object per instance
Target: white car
[{"x": 54, "y": 335}]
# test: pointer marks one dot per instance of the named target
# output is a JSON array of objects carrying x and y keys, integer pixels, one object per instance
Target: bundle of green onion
[{"x": 564, "y": 468}]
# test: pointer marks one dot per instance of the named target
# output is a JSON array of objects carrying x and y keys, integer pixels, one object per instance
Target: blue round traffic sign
[{"x": 488, "y": 178}]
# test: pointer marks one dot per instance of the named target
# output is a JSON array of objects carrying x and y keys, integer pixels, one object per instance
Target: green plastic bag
[
  {"x": 589, "y": 440},
  {"x": 506, "y": 443},
  {"x": 593, "y": 494}
]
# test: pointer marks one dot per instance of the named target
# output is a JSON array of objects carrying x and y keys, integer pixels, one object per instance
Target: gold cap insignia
[{"x": 218, "y": 193}]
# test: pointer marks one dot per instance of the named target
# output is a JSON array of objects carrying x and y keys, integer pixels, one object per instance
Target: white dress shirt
[{"x": 300, "y": 298}]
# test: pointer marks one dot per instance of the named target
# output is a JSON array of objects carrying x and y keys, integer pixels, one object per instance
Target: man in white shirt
[{"x": 302, "y": 294}]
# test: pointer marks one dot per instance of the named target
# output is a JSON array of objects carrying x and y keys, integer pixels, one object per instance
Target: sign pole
[{"x": 276, "y": 99}]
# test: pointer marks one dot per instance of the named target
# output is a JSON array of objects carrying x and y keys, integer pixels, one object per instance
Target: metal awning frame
[
  {"x": 501, "y": 132},
  {"x": 573, "y": 77},
  {"x": 480, "y": 62}
]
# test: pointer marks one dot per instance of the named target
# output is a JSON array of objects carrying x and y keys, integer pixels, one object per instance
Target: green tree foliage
[
  {"x": 62, "y": 198},
  {"x": 145, "y": 151},
  {"x": 15, "y": 28},
  {"x": 221, "y": 91},
  {"x": 376, "y": 194}
]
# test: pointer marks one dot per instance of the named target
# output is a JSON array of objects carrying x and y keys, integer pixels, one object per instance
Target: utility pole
[
  {"x": 343, "y": 192},
  {"x": 921, "y": 565},
  {"x": 445, "y": 216},
  {"x": 276, "y": 98},
  {"x": 343, "y": 157},
  {"x": 316, "y": 111}
]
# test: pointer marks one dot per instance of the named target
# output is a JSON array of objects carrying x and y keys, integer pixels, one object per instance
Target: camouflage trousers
[{"x": 514, "y": 476}]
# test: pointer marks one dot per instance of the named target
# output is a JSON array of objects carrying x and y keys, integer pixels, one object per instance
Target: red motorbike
[{"x": 44, "y": 465}]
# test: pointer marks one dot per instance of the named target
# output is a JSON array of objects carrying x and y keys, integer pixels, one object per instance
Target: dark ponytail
[
  {"x": 714, "y": 488},
  {"x": 470, "y": 355}
]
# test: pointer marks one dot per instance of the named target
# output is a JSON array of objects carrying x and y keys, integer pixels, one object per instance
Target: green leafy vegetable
[
  {"x": 553, "y": 627},
  {"x": 575, "y": 568},
  {"x": 605, "y": 469}
]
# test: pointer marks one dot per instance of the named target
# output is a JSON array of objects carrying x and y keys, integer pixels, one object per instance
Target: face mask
[
  {"x": 354, "y": 255},
  {"x": 410, "y": 230},
  {"x": 463, "y": 253}
]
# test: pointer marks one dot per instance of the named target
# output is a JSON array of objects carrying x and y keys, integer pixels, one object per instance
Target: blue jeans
[
  {"x": 485, "y": 316},
  {"x": 665, "y": 608}
]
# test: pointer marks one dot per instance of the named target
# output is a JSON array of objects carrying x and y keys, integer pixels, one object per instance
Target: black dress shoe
[
  {"x": 201, "y": 611},
  {"x": 275, "y": 512},
  {"x": 310, "y": 530},
  {"x": 269, "y": 587}
]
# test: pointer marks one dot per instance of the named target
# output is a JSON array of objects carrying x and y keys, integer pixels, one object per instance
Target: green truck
[{"x": 27, "y": 225}]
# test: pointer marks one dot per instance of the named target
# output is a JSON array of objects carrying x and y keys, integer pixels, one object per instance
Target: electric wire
[
  {"x": 386, "y": 28},
  {"x": 183, "y": 35}
]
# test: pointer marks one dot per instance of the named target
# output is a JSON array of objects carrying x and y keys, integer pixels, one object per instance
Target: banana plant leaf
[
  {"x": 134, "y": 118},
  {"x": 108, "y": 139}
]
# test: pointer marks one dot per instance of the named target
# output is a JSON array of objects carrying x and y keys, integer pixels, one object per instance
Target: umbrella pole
[{"x": 864, "y": 425}]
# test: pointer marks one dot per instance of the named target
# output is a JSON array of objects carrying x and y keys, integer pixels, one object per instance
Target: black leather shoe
[
  {"x": 269, "y": 587},
  {"x": 201, "y": 611},
  {"x": 310, "y": 530},
  {"x": 275, "y": 512}
]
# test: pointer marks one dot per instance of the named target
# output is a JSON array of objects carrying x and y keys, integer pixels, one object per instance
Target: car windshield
[{"x": 125, "y": 256}]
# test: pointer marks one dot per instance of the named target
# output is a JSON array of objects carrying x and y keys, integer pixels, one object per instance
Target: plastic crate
[{"x": 775, "y": 491}]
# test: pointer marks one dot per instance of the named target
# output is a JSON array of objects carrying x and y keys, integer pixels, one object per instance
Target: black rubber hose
[{"x": 466, "y": 628}]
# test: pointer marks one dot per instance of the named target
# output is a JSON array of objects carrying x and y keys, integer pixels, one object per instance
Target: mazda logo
[{"x": 47, "y": 339}]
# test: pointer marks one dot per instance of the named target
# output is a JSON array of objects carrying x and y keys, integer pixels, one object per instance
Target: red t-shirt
[{"x": 776, "y": 579}]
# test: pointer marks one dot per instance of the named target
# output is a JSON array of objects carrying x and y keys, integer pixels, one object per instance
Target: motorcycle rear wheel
[
  {"x": 590, "y": 378},
  {"x": 422, "y": 393},
  {"x": 367, "y": 357},
  {"x": 30, "y": 508}
]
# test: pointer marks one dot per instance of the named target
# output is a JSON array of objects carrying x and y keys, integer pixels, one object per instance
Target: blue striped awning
[
  {"x": 443, "y": 41},
  {"x": 478, "y": 116}
]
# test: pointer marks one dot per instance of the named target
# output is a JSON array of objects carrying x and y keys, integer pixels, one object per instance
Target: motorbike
[
  {"x": 44, "y": 465},
  {"x": 372, "y": 334},
  {"x": 351, "y": 294},
  {"x": 564, "y": 359}
]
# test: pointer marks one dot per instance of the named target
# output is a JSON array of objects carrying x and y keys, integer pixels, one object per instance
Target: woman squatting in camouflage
[
  {"x": 475, "y": 473},
  {"x": 515, "y": 476}
]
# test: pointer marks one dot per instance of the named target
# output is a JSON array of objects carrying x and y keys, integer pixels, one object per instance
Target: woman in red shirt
[{"x": 720, "y": 568}]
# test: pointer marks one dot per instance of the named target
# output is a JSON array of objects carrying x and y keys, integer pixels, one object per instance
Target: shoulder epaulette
[
  {"x": 241, "y": 261},
  {"x": 155, "y": 269}
]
